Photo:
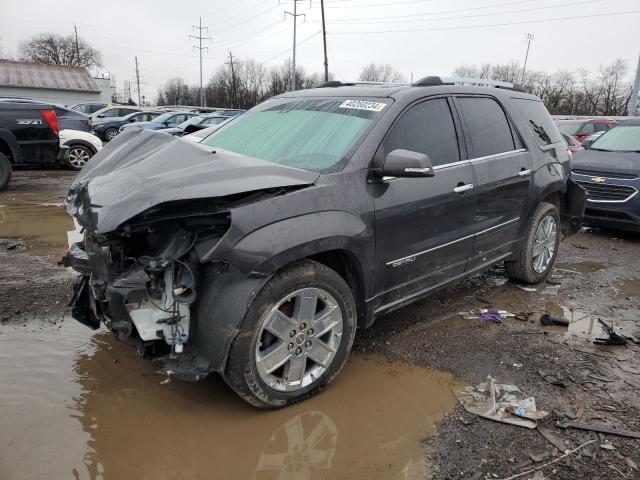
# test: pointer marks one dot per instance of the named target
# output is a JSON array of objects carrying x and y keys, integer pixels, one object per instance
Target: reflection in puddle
[
  {"x": 118, "y": 421},
  {"x": 43, "y": 228}
]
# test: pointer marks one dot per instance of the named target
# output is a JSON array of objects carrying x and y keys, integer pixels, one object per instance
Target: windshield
[
  {"x": 623, "y": 138},
  {"x": 163, "y": 118},
  {"x": 316, "y": 134},
  {"x": 570, "y": 128},
  {"x": 191, "y": 121}
]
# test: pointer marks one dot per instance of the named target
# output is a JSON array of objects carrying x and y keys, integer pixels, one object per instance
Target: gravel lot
[{"x": 597, "y": 276}]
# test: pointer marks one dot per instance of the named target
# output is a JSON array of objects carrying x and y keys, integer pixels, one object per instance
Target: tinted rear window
[
  {"x": 539, "y": 121},
  {"x": 487, "y": 126}
]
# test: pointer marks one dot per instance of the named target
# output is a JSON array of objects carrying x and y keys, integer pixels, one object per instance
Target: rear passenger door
[
  {"x": 423, "y": 226},
  {"x": 503, "y": 169}
]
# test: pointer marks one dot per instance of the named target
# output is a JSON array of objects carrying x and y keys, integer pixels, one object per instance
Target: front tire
[
  {"x": 295, "y": 337},
  {"x": 539, "y": 250},
  {"x": 5, "y": 171}
]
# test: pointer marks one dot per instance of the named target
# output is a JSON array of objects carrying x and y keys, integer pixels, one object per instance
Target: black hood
[
  {"x": 622, "y": 162},
  {"x": 140, "y": 169}
]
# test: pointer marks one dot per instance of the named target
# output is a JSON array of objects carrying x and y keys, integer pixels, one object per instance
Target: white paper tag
[{"x": 363, "y": 105}]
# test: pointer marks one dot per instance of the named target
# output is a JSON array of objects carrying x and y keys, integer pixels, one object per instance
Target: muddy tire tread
[
  {"x": 521, "y": 268},
  {"x": 5, "y": 171}
]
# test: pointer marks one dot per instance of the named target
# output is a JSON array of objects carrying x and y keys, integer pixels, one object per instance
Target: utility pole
[
  {"x": 324, "y": 43},
  {"x": 635, "y": 92},
  {"x": 138, "y": 80},
  {"x": 526, "y": 56},
  {"x": 199, "y": 37},
  {"x": 295, "y": 16},
  {"x": 233, "y": 81},
  {"x": 77, "y": 47}
]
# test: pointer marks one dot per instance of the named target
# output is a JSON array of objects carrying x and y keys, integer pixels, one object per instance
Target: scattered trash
[
  {"x": 580, "y": 246},
  {"x": 487, "y": 315},
  {"x": 524, "y": 413},
  {"x": 517, "y": 365},
  {"x": 547, "y": 319},
  {"x": 607, "y": 446},
  {"x": 601, "y": 378},
  {"x": 598, "y": 428},
  {"x": 539, "y": 457},
  {"x": 613, "y": 338},
  {"x": 496, "y": 401},
  {"x": 10, "y": 244},
  {"x": 556, "y": 380},
  {"x": 526, "y": 289},
  {"x": 553, "y": 439},
  {"x": 524, "y": 316},
  {"x": 579, "y": 414},
  {"x": 540, "y": 467}
]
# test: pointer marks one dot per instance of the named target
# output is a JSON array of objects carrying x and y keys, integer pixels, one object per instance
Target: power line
[
  {"x": 357, "y": 21},
  {"x": 289, "y": 49},
  {"x": 199, "y": 37},
  {"x": 405, "y": 2},
  {"x": 466, "y": 27}
]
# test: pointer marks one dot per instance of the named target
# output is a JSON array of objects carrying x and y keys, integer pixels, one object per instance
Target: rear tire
[
  {"x": 78, "y": 157},
  {"x": 277, "y": 358},
  {"x": 110, "y": 134},
  {"x": 539, "y": 250},
  {"x": 5, "y": 171}
]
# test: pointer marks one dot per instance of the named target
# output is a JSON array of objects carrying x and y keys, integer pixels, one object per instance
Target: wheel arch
[
  {"x": 9, "y": 147},
  {"x": 83, "y": 143}
]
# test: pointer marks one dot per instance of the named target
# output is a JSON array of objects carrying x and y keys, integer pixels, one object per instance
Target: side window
[
  {"x": 587, "y": 129},
  {"x": 600, "y": 127},
  {"x": 488, "y": 128},
  {"x": 426, "y": 128},
  {"x": 538, "y": 121},
  {"x": 178, "y": 119},
  {"x": 111, "y": 113}
]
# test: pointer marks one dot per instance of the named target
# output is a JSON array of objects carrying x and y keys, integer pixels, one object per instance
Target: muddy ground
[{"x": 77, "y": 404}]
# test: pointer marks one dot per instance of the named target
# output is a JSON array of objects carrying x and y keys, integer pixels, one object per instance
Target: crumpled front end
[{"x": 141, "y": 280}]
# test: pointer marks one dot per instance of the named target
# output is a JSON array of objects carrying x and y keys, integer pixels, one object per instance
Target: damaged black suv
[{"x": 258, "y": 253}]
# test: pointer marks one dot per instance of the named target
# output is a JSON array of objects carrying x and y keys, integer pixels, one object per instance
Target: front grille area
[
  {"x": 596, "y": 173},
  {"x": 607, "y": 193}
]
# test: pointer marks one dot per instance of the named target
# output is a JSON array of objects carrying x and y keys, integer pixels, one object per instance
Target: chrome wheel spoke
[
  {"x": 274, "y": 357},
  {"x": 296, "y": 369},
  {"x": 320, "y": 352},
  {"x": 326, "y": 320},
  {"x": 280, "y": 325},
  {"x": 305, "y": 308}
]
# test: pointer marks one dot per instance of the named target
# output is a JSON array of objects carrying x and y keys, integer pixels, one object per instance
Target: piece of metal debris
[
  {"x": 547, "y": 319},
  {"x": 554, "y": 440},
  {"x": 613, "y": 337},
  {"x": 599, "y": 428}
]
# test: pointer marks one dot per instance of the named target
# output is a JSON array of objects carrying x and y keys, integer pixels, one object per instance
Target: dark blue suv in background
[{"x": 609, "y": 169}]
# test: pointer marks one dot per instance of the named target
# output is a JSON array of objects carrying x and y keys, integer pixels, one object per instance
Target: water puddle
[
  {"x": 42, "y": 228},
  {"x": 77, "y": 404},
  {"x": 629, "y": 288},
  {"x": 586, "y": 266}
]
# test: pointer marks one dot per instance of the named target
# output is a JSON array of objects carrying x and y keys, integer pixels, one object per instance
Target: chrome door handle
[
  {"x": 524, "y": 173},
  {"x": 463, "y": 188}
]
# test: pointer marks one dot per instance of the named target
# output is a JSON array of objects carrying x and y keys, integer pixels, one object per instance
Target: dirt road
[{"x": 77, "y": 404}]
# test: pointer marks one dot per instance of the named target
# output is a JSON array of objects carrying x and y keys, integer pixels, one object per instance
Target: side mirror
[{"x": 405, "y": 163}]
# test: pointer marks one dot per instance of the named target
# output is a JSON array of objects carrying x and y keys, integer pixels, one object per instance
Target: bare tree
[
  {"x": 375, "y": 72},
  {"x": 59, "y": 50},
  {"x": 614, "y": 90}
]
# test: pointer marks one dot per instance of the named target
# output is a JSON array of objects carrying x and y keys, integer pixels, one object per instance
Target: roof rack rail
[
  {"x": 338, "y": 83},
  {"x": 430, "y": 81},
  {"x": 478, "y": 82}
]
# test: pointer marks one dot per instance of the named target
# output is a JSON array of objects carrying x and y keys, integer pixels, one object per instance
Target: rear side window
[
  {"x": 487, "y": 126},
  {"x": 601, "y": 127},
  {"x": 426, "y": 128},
  {"x": 587, "y": 129},
  {"x": 539, "y": 121}
]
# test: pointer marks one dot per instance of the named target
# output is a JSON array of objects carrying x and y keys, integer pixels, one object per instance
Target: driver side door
[{"x": 423, "y": 226}]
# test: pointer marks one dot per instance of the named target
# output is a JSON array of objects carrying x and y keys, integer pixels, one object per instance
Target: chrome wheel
[
  {"x": 79, "y": 156},
  {"x": 544, "y": 245},
  {"x": 111, "y": 133},
  {"x": 298, "y": 339}
]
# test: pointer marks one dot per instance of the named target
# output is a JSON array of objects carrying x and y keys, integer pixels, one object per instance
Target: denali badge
[
  {"x": 27, "y": 121},
  {"x": 598, "y": 180}
]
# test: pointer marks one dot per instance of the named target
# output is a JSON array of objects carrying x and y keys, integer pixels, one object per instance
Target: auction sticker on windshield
[{"x": 363, "y": 105}]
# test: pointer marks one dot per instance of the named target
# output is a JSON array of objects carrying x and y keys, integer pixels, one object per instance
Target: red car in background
[
  {"x": 580, "y": 129},
  {"x": 572, "y": 144}
]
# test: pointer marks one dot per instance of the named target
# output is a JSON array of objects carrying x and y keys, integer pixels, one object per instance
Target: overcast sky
[{"x": 423, "y": 37}]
